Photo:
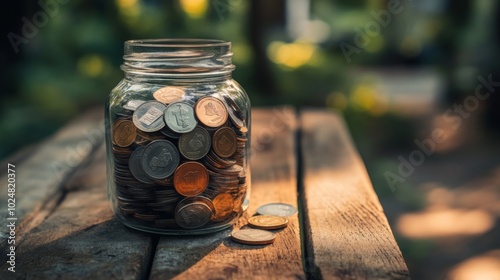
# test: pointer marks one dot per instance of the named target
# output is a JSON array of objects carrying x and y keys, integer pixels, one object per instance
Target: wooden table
[{"x": 65, "y": 228}]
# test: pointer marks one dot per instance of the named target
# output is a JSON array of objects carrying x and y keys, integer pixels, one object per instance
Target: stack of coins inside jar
[{"x": 179, "y": 159}]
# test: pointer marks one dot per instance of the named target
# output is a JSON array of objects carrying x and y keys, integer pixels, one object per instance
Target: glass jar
[{"x": 177, "y": 138}]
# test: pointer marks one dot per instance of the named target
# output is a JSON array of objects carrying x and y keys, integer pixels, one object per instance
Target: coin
[
  {"x": 148, "y": 116},
  {"x": 252, "y": 236},
  {"x": 136, "y": 167},
  {"x": 195, "y": 144},
  {"x": 169, "y": 94},
  {"x": 224, "y": 205},
  {"x": 211, "y": 111},
  {"x": 160, "y": 159},
  {"x": 124, "y": 133},
  {"x": 193, "y": 215},
  {"x": 277, "y": 209},
  {"x": 268, "y": 222},
  {"x": 179, "y": 117},
  {"x": 190, "y": 178},
  {"x": 224, "y": 142}
]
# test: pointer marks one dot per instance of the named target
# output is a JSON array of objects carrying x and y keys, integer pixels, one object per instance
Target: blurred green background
[{"x": 393, "y": 69}]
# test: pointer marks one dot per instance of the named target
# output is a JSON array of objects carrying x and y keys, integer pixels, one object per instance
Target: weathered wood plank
[
  {"x": 41, "y": 174},
  {"x": 215, "y": 256},
  {"x": 347, "y": 234},
  {"x": 81, "y": 239}
]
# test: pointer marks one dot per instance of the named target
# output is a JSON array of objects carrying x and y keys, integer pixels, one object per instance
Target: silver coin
[
  {"x": 136, "y": 169},
  {"x": 160, "y": 159},
  {"x": 148, "y": 117},
  {"x": 195, "y": 144},
  {"x": 193, "y": 215},
  {"x": 179, "y": 117},
  {"x": 277, "y": 209}
]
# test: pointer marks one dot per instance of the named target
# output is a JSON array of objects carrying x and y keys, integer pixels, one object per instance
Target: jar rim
[{"x": 177, "y": 43}]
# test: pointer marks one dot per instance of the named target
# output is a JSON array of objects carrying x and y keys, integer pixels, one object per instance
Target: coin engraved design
[
  {"x": 268, "y": 222},
  {"x": 180, "y": 118},
  {"x": 277, "y": 209},
  {"x": 211, "y": 111},
  {"x": 148, "y": 116},
  {"x": 193, "y": 215},
  {"x": 195, "y": 144},
  {"x": 190, "y": 178},
  {"x": 224, "y": 142},
  {"x": 252, "y": 236},
  {"x": 160, "y": 159},
  {"x": 124, "y": 133},
  {"x": 169, "y": 94},
  {"x": 136, "y": 167},
  {"x": 224, "y": 205}
]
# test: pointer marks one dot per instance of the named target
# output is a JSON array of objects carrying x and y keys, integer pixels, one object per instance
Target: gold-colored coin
[
  {"x": 252, "y": 236},
  {"x": 211, "y": 111},
  {"x": 268, "y": 222},
  {"x": 224, "y": 204},
  {"x": 169, "y": 94},
  {"x": 124, "y": 133}
]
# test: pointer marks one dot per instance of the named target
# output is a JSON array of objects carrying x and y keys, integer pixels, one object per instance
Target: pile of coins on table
[
  {"x": 178, "y": 161},
  {"x": 271, "y": 216}
]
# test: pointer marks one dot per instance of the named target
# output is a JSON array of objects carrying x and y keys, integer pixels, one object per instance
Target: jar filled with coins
[{"x": 177, "y": 138}]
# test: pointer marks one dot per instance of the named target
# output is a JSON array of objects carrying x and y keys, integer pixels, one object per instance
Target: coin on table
[
  {"x": 124, "y": 133},
  {"x": 195, "y": 144},
  {"x": 190, "y": 178},
  {"x": 277, "y": 209},
  {"x": 169, "y": 94},
  {"x": 224, "y": 204},
  {"x": 268, "y": 222},
  {"x": 224, "y": 142},
  {"x": 160, "y": 159},
  {"x": 148, "y": 116},
  {"x": 211, "y": 111},
  {"x": 193, "y": 215},
  {"x": 179, "y": 117},
  {"x": 136, "y": 169},
  {"x": 252, "y": 236}
]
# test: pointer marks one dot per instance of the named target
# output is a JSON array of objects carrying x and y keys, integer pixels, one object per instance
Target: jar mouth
[
  {"x": 177, "y": 43},
  {"x": 174, "y": 58}
]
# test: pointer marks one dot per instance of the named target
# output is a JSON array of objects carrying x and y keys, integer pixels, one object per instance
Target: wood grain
[
  {"x": 44, "y": 168},
  {"x": 81, "y": 238},
  {"x": 346, "y": 232},
  {"x": 215, "y": 256}
]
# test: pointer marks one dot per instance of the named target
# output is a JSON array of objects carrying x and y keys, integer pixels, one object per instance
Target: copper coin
[
  {"x": 252, "y": 236},
  {"x": 211, "y": 111},
  {"x": 190, "y": 178},
  {"x": 224, "y": 142},
  {"x": 169, "y": 94},
  {"x": 124, "y": 133},
  {"x": 224, "y": 205},
  {"x": 268, "y": 222}
]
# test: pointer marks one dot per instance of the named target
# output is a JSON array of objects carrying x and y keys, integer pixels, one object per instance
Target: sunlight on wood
[
  {"x": 445, "y": 223},
  {"x": 486, "y": 266}
]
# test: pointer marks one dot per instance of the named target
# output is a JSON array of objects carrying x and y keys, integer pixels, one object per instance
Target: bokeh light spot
[
  {"x": 91, "y": 65},
  {"x": 194, "y": 8}
]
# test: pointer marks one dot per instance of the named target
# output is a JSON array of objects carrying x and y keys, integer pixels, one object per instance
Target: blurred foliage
[{"x": 72, "y": 62}]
